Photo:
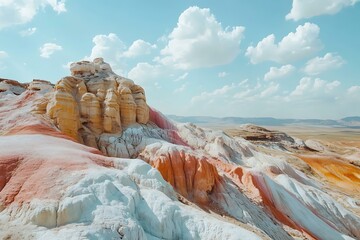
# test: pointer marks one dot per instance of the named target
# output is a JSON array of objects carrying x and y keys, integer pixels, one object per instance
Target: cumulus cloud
[
  {"x": 354, "y": 90},
  {"x": 48, "y": 49},
  {"x": 113, "y": 50},
  {"x": 199, "y": 40},
  {"x": 281, "y": 72},
  {"x": 110, "y": 47},
  {"x": 309, "y": 86},
  {"x": 208, "y": 96},
  {"x": 310, "y": 8},
  {"x": 145, "y": 71},
  {"x": 27, "y": 32},
  {"x": 222, "y": 74},
  {"x": 13, "y": 12},
  {"x": 270, "y": 90},
  {"x": 318, "y": 65},
  {"x": 247, "y": 92},
  {"x": 138, "y": 48},
  {"x": 296, "y": 45},
  {"x": 257, "y": 92}
]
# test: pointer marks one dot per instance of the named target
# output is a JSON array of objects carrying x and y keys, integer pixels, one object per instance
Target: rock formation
[
  {"x": 90, "y": 111},
  {"x": 191, "y": 175},
  {"x": 127, "y": 106},
  {"x": 112, "y": 123},
  {"x": 8, "y": 86},
  {"x": 93, "y": 101},
  {"x": 88, "y": 159}
]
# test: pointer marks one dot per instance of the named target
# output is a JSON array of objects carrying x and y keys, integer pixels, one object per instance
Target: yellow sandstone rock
[
  {"x": 112, "y": 123},
  {"x": 90, "y": 111},
  {"x": 142, "y": 109},
  {"x": 94, "y": 100},
  {"x": 127, "y": 106},
  {"x": 64, "y": 111}
]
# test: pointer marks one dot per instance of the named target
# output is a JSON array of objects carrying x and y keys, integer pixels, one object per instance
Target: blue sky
[{"x": 285, "y": 59}]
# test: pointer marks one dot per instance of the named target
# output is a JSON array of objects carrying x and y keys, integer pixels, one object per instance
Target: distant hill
[
  {"x": 351, "y": 119},
  {"x": 351, "y": 122}
]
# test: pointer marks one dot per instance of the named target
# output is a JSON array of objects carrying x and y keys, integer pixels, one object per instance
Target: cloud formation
[
  {"x": 296, "y": 45},
  {"x": 209, "y": 96},
  {"x": 145, "y": 71},
  {"x": 199, "y": 40},
  {"x": 114, "y": 51},
  {"x": 27, "y": 32},
  {"x": 14, "y": 12},
  {"x": 281, "y": 72},
  {"x": 354, "y": 90},
  {"x": 310, "y": 87},
  {"x": 138, "y": 48},
  {"x": 110, "y": 47},
  {"x": 318, "y": 65},
  {"x": 310, "y": 8},
  {"x": 49, "y": 49}
]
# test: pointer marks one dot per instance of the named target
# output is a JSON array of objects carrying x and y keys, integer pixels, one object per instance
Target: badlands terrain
[{"x": 87, "y": 158}]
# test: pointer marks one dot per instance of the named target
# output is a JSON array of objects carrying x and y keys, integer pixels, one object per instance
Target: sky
[{"x": 283, "y": 59}]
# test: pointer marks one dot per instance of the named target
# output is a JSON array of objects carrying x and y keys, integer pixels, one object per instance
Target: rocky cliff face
[{"x": 89, "y": 159}]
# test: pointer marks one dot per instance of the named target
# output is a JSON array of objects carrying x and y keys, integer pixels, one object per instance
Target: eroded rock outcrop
[
  {"x": 40, "y": 85},
  {"x": 93, "y": 101},
  {"x": 127, "y": 106},
  {"x": 63, "y": 110},
  {"x": 189, "y": 173},
  {"x": 90, "y": 111},
  {"x": 112, "y": 123},
  {"x": 8, "y": 86}
]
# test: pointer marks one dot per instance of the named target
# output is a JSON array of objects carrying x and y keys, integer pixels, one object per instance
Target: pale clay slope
[
  {"x": 95, "y": 197},
  {"x": 130, "y": 200}
]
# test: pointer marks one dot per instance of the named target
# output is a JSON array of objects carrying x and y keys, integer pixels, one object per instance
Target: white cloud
[
  {"x": 296, "y": 45},
  {"x": 3, "y": 54},
  {"x": 28, "y": 32},
  {"x": 318, "y": 65},
  {"x": 144, "y": 72},
  {"x": 113, "y": 50},
  {"x": 109, "y": 47},
  {"x": 180, "y": 89},
  {"x": 256, "y": 92},
  {"x": 354, "y": 90},
  {"x": 199, "y": 40},
  {"x": 313, "y": 98},
  {"x": 270, "y": 90},
  {"x": 138, "y": 48},
  {"x": 222, "y": 74},
  {"x": 181, "y": 77},
  {"x": 208, "y": 96},
  {"x": 48, "y": 49},
  {"x": 13, "y": 12},
  {"x": 310, "y": 8},
  {"x": 281, "y": 72},
  {"x": 309, "y": 87}
]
